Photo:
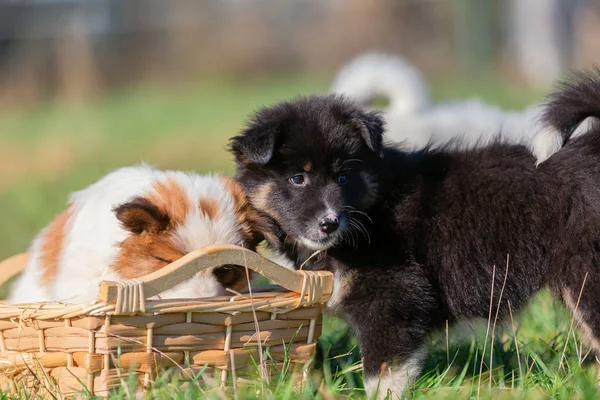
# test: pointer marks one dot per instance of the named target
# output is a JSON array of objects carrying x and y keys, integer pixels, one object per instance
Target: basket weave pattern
[{"x": 96, "y": 347}]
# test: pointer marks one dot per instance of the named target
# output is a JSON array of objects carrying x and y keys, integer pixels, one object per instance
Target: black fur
[
  {"x": 574, "y": 101},
  {"x": 443, "y": 222}
]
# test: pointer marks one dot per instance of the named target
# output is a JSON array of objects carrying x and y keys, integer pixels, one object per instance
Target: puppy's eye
[
  {"x": 343, "y": 179},
  {"x": 162, "y": 260},
  {"x": 228, "y": 275},
  {"x": 298, "y": 180}
]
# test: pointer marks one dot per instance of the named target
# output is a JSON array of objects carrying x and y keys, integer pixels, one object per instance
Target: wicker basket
[{"x": 93, "y": 347}]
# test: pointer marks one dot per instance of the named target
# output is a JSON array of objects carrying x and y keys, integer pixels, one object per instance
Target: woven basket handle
[
  {"x": 12, "y": 266},
  {"x": 212, "y": 256}
]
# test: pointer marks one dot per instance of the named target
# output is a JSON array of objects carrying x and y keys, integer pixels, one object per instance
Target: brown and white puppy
[{"x": 132, "y": 222}]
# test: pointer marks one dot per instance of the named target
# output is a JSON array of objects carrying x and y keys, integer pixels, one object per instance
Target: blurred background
[{"x": 90, "y": 85}]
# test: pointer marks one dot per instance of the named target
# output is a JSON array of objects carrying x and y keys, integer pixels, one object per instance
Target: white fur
[
  {"x": 93, "y": 233},
  {"x": 341, "y": 286},
  {"x": 311, "y": 244},
  {"x": 381, "y": 74},
  {"x": 281, "y": 259},
  {"x": 393, "y": 379},
  {"x": 415, "y": 123}
]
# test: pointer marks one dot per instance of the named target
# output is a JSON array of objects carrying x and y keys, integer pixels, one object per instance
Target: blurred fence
[{"x": 76, "y": 49}]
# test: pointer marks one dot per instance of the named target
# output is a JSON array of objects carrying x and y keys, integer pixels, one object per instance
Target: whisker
[
  {"x": 354, "y": 210},
  {"x": 348, "y": 237},
  {"x": 362, "y": 213},
  {"x": 350, "y": 160},
  {"x": 360, "y": 228},
  {"x": 360, "y": 231},
  {"x": 361, "y": 225}
]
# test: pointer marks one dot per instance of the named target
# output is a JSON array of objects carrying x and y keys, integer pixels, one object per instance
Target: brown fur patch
[
  {"x": 260, "y": 198},
  {"x": 148, "y": 251},
  {"x": 241, "y": 208},
  {"x": 307, "y": 166},
  {"x": 210, "y": 208},
  {"x": 145, "y": 253},
  {"x": 239, "y": 197},
  {"x": 52, "y": 245},
  {"x": 384, "y": 367},
  {"x": 171, "y": 199},
  {"x": 253, "y": 224}
]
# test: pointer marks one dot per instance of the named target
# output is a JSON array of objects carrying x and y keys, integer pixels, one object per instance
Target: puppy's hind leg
[{"x": 583, "y": 301}]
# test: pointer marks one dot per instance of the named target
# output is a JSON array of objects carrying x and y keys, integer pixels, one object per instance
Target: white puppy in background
[{"x": 415, "y": 122}]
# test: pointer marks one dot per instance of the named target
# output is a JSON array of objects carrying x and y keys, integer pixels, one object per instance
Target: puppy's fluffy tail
[
  {"x": 377, "y": 74},
  {"x": 576, "y": 100}
]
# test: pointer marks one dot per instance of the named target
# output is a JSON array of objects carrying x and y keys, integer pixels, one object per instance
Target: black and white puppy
[{"x": 435, "y": 224}]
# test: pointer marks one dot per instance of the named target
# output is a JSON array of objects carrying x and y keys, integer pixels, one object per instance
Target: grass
[{"x": 49, "y": 151}]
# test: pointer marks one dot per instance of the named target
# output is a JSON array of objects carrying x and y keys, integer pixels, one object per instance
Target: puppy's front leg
[
  {"x": 393, "y": 376},
  {"x": 392, "y": 354}
]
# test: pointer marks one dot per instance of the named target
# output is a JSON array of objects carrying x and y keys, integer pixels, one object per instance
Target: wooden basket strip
[
  {"x": 145, "y": 362},
  {"x": 148, "y": 321},
  {"x": 49, "y": 311},
  {"x": 188, "y": 341},
  {"x": 226, "y": 319},
  {"x": 221, "y": 358},
  {"x": 91, "y": 362},
  {"x": 72, "y": 380},
  {"x": 311, "y": 312},
  {"x": 15, "y": 361},
  {"x": 191, "y": 328},
  {"x": 267, "y": 337},
  {"x": 272, "y": 325},
  {"x": 299, "y": 352},
  {"x": 12, "y": 266},
  {"x": 121, "y": 330},
  {"x": 70, "y": 345}
]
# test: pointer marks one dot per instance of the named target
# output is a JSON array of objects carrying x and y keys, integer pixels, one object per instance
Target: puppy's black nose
[{"x": 329, "y": 224}]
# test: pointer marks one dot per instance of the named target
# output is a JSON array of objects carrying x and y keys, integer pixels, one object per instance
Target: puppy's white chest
[{"x": 342, "y": 284}]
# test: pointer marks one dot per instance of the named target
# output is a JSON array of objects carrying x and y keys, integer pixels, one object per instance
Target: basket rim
[{"x": 129, "y": 297}]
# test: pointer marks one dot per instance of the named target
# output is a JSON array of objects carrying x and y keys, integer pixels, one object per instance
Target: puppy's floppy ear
[
  {"x": 265, "y": 228},
  {"x": 257, "y": 142},
  {"x": 371, "y": 126},
  {"x": 140, "y": 215},
  {"x": 256, "y": 226}
]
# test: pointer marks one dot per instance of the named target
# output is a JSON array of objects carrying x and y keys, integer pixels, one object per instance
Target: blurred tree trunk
[
  {"x": 536, "y": 37},
  {"x": 78, "y": 78},
  {"x": 586, "y": 31}
]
